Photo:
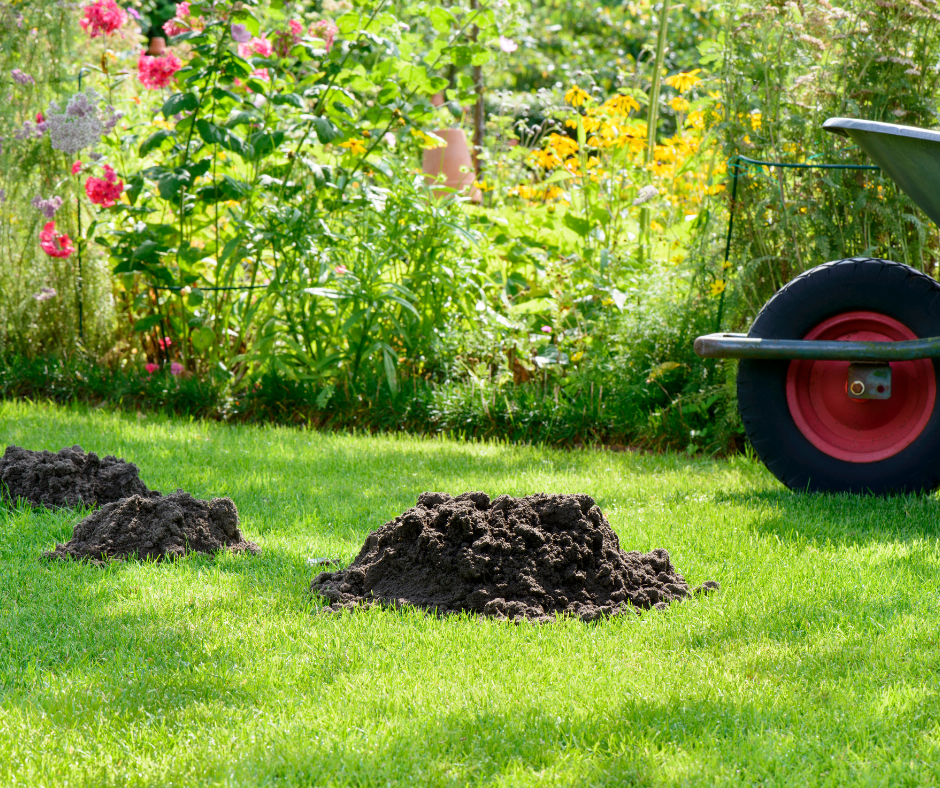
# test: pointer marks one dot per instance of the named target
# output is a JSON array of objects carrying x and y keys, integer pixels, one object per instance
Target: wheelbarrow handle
[{"x": 743, "y": 346}]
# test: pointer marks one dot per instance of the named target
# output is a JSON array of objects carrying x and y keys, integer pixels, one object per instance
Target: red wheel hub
[{"x": 860, "y": 430}]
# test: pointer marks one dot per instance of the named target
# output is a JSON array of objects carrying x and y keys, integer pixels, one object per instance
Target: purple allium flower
[
  {"x": 240, "y": 34},
  {"x": 3, "y": 195},
  {"x": 28, "y": 131},
  {"x": 48, "y": 207},
  {"x": 113, "y": 117},
  {"x": 21, "y": 78},
  {"x": 79, "y": 126},
  {"x": 45, "y": 293}
]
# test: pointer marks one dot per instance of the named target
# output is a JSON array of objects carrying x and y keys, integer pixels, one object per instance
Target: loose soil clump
[
  {"x": 156, "y": 529},
  {"x": 68, "y": 478},
  {"x": 512, "y": 558}
]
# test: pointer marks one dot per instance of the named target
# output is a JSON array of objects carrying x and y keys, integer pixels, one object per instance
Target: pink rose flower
[
  {"x": 256, "y": 46},
  {"x": 55, "y": 244},
  {"x": 76, "y": 168},
  {"x": 157, "y": 72},
  {"x": 151, "y": 368},
  {"x": 105, "y": 191},
  {"x": 103, "y": 17},
  {"x": 182, "y": 22},
  {"x": 326, "y": 31}
]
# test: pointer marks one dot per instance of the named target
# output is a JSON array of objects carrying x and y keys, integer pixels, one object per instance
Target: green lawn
[{"x": 817, "y": 663}]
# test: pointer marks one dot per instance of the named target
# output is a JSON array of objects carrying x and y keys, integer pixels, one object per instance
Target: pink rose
[{"x": 151, "y": 368}]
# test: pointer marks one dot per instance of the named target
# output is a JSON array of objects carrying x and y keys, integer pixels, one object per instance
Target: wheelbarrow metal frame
[{"x": 743, "y": 346}]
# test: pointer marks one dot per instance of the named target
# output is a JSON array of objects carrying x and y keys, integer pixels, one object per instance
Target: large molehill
[
  {"x": 519, "y": 558},
  {"x": 156, "y": 529},
  {"x": 68, "y": 478}
]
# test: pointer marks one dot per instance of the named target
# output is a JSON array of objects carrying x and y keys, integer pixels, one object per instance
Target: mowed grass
[{"x": 817, "y": 663}]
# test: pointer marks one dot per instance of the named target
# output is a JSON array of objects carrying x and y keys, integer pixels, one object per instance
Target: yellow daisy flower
[
  {"x": 576, "y": 96},
  {"x": 684, "y": 80}
]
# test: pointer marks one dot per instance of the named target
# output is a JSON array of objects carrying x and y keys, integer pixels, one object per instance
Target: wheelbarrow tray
[{"x": 908, "y": 156}]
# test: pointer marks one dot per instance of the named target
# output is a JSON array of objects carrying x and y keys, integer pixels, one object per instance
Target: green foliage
[{"x": 782, "y": 71}]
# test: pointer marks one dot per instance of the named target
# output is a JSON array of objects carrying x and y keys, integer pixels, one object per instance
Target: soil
[
  {"x": 156, "y": 529},
  {"x": 529, "y": 558},
  {"x": 69, "y": 478}
]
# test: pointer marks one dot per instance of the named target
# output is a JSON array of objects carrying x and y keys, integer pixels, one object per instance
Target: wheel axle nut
[{"x": 857, "y": 388}]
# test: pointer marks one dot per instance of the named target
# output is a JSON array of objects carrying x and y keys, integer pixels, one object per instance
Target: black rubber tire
[{"x": 892, "y": 289}]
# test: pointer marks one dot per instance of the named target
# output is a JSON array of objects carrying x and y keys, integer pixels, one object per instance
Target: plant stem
[{"x": 653, "y": 116}]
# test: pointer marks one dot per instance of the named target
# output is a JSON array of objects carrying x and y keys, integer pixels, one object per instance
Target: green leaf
[
  {"x": 461, "y": 56},
  {"x": 209, "y": 132},
  {"x": 204, "y": 338},
  {"x": 326, "y": 130},
  {"x": 154, "y": 141},
  {"x": 481, "y": 57},
  {"x": 441, "y": 19},
  {"x": 265, "y": 142},
  {"x": 288, "y": 98},
  {"x": 134, "y": 187},
  {"x": 390, "y": 373},
  {"x": 348, "y": 23},
  {"x": 145, "y": 250},
  {"x": 581, "y": 226},
  {"x": 146, "y": 323},
  {"x": 170, "y": 184},
  {"x": 179, "y": 102}
]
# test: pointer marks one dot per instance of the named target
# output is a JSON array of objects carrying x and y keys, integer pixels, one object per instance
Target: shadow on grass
[{"x": 821, "y": 518}]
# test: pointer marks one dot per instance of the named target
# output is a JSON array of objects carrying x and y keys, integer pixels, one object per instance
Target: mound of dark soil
[
  {"x": 156, "y": 529},
  {"x": 69, "y": 478},
  {"x": 519, "y": 558}
]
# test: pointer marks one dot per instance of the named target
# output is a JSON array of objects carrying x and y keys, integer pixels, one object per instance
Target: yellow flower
[
  {"x": 576, "y": 96},
  {"x": 684, "y": 80},
  {"x": 562, "y": 146},
  {"x": 355, "y": 145},
  {"x": 696, "y": 120},
  {"x": 711, "y": 191},
  {"x": 544, "y": 158},
  {"x": 621, "y": 105},
  {"x": 756, "y": 120},
  {"x": 679, "y": 104},
  {"x": 718, "y": 287}
]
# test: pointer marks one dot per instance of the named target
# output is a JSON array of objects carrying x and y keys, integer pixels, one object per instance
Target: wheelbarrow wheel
[{"x": 798, "y": 415}]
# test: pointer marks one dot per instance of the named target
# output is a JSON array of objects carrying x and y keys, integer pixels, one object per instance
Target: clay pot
[{"x": 449, "y": 160}]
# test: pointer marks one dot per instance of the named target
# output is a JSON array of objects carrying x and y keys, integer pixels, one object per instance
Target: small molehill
[
  {"x": 156, "y": 529},
  {"x": 68, "y": 478},
  {"x": 519, "y": 558}
]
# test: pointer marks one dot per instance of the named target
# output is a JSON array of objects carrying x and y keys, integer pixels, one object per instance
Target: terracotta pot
[{"x": 449, "y": 160}]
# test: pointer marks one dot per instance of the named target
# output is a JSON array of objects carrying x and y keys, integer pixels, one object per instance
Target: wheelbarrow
[{"x": 838, "y": 378}]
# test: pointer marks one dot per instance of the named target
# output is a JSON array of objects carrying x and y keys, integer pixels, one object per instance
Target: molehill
[
  {"x": 156, "y": 529},
  {"x": 68, "y": 478},
  {"x": 517, "y": 558}
]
